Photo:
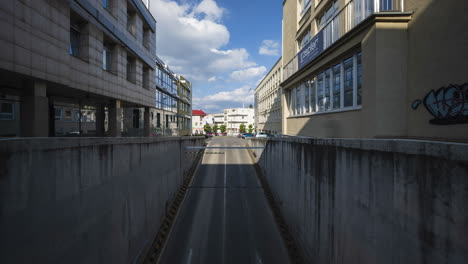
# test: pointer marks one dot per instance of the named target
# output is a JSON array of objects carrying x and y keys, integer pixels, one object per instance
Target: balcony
[{"x": 351, "y": 15}]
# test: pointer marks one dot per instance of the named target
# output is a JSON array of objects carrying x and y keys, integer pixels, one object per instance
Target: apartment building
[
  {"x": 268, "y": 101},
  {"x": 184, "y": 113},
  {"x": 234, "y": 117},
  {"x": 71, "y": 67},
  {"x": 375, "y": 69},
  {"x": 198, "y": 121}
]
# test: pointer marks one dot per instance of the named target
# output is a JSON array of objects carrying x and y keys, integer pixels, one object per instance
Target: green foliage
[
  {"x": 207, "y": 128},
  {"x": 223, "y": 128},
  {"x": 250, "y": 106},
  {"x": 242, "y": 128},
  {"x": 250, "y": 129},
  {"x": 215, "y": 128}
]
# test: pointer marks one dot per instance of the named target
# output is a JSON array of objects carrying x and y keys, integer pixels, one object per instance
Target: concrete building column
[
  {"x": 35, "y": 110},
  {"x": 115, "y": 119},
  {"x": 146, "y": 122},
  {"x": 100, "y": 120}
]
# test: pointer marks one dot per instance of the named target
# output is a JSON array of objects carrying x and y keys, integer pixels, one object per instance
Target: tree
[
  {"x": 250, "y": 129},
  {"x": 250, "y": 106},
  {"x": 242, "y": 128},
  {"x": 223, "y": 128},
  {"x": 215, "y": 128},
  {"x": 207, "y": 128}
]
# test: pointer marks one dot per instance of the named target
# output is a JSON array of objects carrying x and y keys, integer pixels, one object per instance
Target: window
[
  {"x": 7, "y": 111},
  {"x": 327, "y": 16},
  {"x": 58, "y": 113},
  {"x": 298, "y": 100},
  {"x": 307, "y": 97},
  {"x": 146, "y": 77},
  {"x": 167, "y": 121},
  {"x": 136, "y": 118},
  {"x": 320, "y": 100},
  {"x": 337, "y": 86},
  {"x": 348, "y": 82},
  {"x": 158, "y": 120},
  {"x": 326, "y": 100},
  {"x": 75, "y": 36},
  {"x": 146, "y": 37},
  {"x": 68, "y": 115},
  {"x": 305, "y": 5},
  {"x": 304, "y": 39},
  {"x": 131, "y": 20},
  {"x": 359, "y": 79},
  {"x": 131, "y": 69},
  {"x": 107, "y": 56}
]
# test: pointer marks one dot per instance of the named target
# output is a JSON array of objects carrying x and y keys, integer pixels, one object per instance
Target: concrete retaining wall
[
  {"x": 94, "y": 200},
  {"x": 371, "y": 201}
]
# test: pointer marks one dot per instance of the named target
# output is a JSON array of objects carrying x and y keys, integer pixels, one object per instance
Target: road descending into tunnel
[{"x": 225, "y": 217}]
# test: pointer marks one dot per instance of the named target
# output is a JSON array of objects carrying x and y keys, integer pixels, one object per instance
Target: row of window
[
  {"x": 166, "y": 80},
  {"x": 7, "y": 111},
  {"x": 184, "y": 107},
  {"x": 78, "y": 42},
  {"x": 336, "y": 88},
  {"x": 73, "y": 115},
  {"x": 166, "y": 102}
]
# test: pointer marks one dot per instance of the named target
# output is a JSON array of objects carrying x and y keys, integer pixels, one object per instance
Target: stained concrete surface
[
  {"x": 225, "y": 217},
  {"x": 86, "y": 200},
  {"x": 351, "y": 201}
]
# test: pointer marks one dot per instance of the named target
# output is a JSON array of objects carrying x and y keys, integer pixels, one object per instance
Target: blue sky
[{"x": 223, "y": 46}]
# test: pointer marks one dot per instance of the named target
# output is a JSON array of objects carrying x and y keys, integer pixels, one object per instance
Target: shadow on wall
[
  {"x": 86, "y": 200},
  {"x": 371, "y": 201}
]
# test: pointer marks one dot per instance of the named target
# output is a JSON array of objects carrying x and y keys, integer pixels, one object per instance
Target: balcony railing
[{"x": 353, "y": 13}]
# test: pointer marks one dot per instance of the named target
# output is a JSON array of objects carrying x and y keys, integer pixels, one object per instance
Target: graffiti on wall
[{"x": 448, "y": 105}]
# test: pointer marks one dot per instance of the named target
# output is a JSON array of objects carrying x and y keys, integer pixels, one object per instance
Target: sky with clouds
[{"x": 224, "y": 47}]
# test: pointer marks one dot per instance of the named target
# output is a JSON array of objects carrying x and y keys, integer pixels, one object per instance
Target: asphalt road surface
[{"x": 225, "y": 217}]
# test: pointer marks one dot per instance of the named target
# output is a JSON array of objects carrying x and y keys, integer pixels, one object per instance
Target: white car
[{"x": 262, "y": 135}]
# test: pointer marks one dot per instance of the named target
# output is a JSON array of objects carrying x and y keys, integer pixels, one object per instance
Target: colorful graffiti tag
[{"x": 448, "y": 105}]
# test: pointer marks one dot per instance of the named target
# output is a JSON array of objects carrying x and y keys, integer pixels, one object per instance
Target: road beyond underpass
[{"x": 225, "y": 217}]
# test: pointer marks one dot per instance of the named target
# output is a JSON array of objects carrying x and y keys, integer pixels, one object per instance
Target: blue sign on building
[{"x": 311, "y": 50}]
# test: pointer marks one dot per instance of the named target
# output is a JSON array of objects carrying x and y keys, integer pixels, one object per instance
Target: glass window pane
[
  {"x": 306, "y": 97},
  {"x": 348, "y": 82},
  {"x": 359, "y": 79},
  {"x": 326, "y": 100},
  {"x": 320, "y": 98},
  {"x": 312, "y": 94},
  {"x": 337, "y": 86},
  {"x": 298, "y": 100}
]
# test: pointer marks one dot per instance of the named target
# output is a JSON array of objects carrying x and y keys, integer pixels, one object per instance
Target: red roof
[{"x": 198, "y": 113}]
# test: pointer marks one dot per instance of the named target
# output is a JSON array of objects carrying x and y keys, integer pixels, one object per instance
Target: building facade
[
  {"x": 198, "y": 122},
  {"x": 375, "y": 69},
  {"x": 72, "y": 67},
  {"x": 234, "y": 117},
  {"x": 184, "y": 113},
  {"x": 268, "y": 101}
]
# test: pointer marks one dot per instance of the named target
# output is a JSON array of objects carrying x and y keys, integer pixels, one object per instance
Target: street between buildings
[{"x": 225, "y": 217}]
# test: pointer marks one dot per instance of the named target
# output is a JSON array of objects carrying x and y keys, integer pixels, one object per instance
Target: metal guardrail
[{"x": 353, "y": 13}]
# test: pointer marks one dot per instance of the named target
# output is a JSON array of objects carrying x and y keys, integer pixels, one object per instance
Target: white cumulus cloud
[
  {"x": 269, "y": 47},
  {"x": 190, "y": 39},
  {"x": 248, "y": 74},
  {"x": 219, "y": 101}
]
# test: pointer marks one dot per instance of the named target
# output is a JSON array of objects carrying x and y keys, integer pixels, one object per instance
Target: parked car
[{"x": 247, "y": 135}]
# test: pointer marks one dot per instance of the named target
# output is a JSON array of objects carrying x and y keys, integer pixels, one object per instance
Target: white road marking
[{"x": 189, "y": 259}]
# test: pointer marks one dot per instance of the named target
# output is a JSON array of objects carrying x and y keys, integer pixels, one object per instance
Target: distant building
[
  {"x": 184, "y": 113},
  {"x": 268, "y": 101},
  {"x": 234, "y": 117},
  {"x": 198, "y": 122}
]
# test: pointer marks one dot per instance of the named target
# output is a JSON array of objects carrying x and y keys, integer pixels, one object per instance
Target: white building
[
  {"x": 234, "y": 117},
  {"x": 198, "y": 121}
]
